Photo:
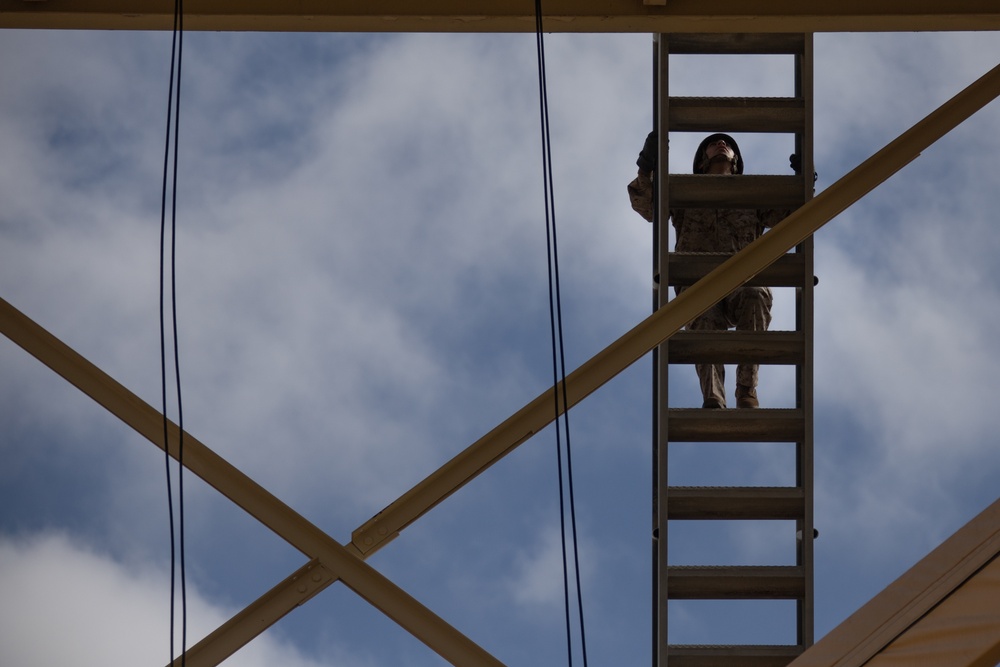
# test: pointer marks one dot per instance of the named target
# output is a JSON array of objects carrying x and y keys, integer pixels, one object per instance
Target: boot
[
  {"x": 712, "y": 378},
  {"x": 746, "y": 397}
]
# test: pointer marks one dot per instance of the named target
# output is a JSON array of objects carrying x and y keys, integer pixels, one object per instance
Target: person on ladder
[{"x": 715, "y": 230}]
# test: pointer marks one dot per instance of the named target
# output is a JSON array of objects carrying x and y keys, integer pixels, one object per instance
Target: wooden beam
[
  {"x": 942, "y": 611},
  {"x": 582, "y": 16},
  {"x": 238, "y": 631}
]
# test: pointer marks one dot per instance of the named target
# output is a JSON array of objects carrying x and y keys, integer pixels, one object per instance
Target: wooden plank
[
  {"x": 580, "y": 16},
  {"x": 757, "y": 655},
  {"x": 736, "y": 582},
  {"x": 736, "y": 114},
  {"x": 744, "y": 191},
  {"x": 759, "y": 425},
  {"x": 741, "y": 502},
  {"x": 738, "y": 43},
  {"x": 734, "y": 347}
]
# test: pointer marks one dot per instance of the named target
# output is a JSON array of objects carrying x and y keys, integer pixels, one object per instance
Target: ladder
[{"x": 723, "y": 430}]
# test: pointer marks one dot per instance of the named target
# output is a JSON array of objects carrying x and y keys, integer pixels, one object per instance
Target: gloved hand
[
  {"x": 647, "y": 156},
  {"x": 795, "y": 162}
]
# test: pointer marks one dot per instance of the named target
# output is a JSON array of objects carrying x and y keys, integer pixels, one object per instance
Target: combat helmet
[{"x": 713, "y": 138}]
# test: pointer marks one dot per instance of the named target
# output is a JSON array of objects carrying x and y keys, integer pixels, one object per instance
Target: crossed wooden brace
[{"x": 330, "y": 560}]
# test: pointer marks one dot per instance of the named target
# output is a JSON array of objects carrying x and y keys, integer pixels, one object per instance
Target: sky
[{"x": 361, "y": 294}]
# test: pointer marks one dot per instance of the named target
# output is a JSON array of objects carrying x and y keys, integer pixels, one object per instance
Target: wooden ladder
[{"x": 731, "y": 428}]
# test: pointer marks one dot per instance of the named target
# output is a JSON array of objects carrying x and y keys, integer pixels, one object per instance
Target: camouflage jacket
[{"x": 706, "y": 229}]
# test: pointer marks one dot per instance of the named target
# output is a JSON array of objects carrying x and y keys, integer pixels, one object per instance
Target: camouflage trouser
[{"x": 747, "y": 309}]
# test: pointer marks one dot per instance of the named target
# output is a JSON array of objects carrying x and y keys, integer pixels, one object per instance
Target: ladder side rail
[
  {"x": 805, "y": 323},
  {"x": 661, "y": 217}
]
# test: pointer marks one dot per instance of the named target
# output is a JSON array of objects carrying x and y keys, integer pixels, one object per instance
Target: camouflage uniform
[{"x": 747, "y": 308}]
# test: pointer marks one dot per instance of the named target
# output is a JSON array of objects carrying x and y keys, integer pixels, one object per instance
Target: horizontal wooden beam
[
  {"x": 770, "y": 425},
  {"x": 762, "y": 503},
  {"x": 736, "y": 114},
  {"x": 582, "y": 16},
  {"x": 747, "y": 655},
  {"x": 736, "y": 582},
  {"x": 704, "y": 191},
  {"x": 737, "y": 347}
]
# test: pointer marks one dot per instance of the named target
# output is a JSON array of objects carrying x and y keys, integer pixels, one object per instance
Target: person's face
[{"x": 719, "y": 147}]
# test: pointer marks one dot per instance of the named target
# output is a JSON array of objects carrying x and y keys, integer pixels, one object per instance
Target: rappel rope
[
  {"x": 558, "y": 358},
  {"x": 173, "y": 116}
]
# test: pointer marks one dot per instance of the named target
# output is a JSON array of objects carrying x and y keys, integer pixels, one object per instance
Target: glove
[
  {"x": 795, "y": 162},
  {"x": 647, "y": 156}
]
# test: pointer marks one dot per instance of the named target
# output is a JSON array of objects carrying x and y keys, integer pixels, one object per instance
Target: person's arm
[
  {"x": 640, "y": 190},
  {"x": 640, "y": 193}
]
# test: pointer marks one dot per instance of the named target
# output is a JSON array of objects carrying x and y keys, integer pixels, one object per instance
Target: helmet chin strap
[{"x": 720, "y": 158}]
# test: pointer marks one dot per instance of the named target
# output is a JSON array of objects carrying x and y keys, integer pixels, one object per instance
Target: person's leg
[
  {"x": 712, "y": 377},
  {"x": 751, "y": 311}
]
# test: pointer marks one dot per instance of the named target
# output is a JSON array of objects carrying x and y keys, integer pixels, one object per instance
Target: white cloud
[
  {"x": 538, "y": 576},
  {"x": 536, "y": 581},
  {"x": 75, "y": 604}
]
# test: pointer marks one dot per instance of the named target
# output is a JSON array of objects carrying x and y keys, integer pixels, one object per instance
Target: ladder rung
[
  {"x": 735, "y": 582},
  {"x": 735, "y": 502},
  {"x": 736, "y": 43},
  {"x": 738, "y": 425},
  {"x": 744, "y": 191},
  {"x": 736, "y": 114},
  {"x": 757, "y": 655},
  {"x": 735, "y": 347},
  {"x": 687, "y": 268}
]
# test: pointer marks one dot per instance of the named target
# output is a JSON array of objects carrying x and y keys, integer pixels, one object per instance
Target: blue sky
[{"x": 361, "y": 286}]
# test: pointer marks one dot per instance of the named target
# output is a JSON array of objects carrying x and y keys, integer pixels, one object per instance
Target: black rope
[
  {"x": 558, "y": 355},
  {"x": 173, "y": 116}
]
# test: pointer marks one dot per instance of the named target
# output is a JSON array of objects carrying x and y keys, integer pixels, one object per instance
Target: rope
[
  {"x": 558, "y": 356},
  {"x": 173, "y": 116}
]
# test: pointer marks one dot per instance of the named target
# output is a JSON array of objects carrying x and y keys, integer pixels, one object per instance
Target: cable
[
  {"x": 558, "y": 353},
  {"x": 173, "y": 115}
]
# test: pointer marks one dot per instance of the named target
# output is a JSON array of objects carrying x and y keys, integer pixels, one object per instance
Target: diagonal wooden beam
[
  {"x": 669, "y": 319},
  {"x": 237, "y": 632},
  {"x": 581, "y": 16},
  {"x": 342, "y": 562}
]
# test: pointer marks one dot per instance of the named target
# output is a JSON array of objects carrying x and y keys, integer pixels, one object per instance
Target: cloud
[
  {"x": 78, "y": 605},
  {"x": 538, "y": 573}
]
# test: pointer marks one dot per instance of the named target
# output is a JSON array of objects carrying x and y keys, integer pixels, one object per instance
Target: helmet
[{"x": 699, "y": 156}]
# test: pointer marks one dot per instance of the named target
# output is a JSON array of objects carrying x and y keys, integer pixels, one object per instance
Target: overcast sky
[{"x": 361, "y": 294}]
